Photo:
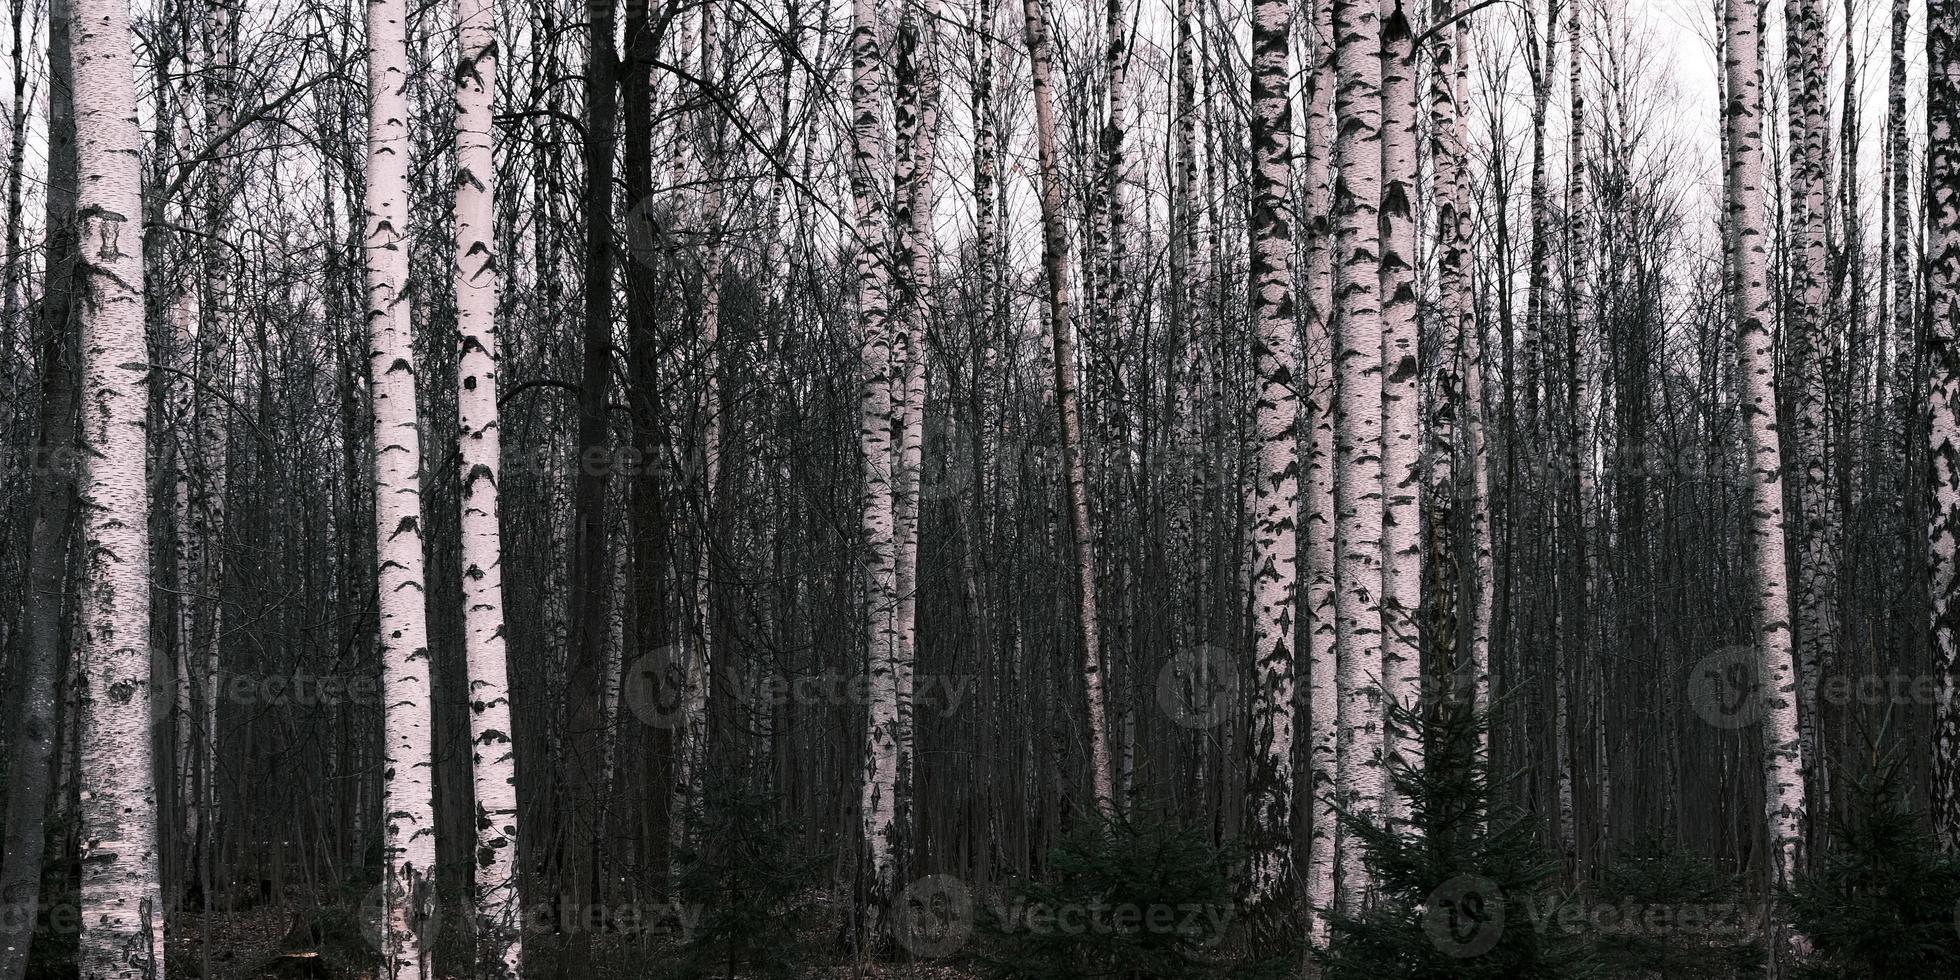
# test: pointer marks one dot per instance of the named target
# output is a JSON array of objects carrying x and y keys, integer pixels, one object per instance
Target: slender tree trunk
[
  {"x": 121, "y": 894},
  {"x": 1783, "y": 792},
  {"x": 879, "y": 780},
  {"x": 1808, "y": 73},
  {"x": 1323, "y": 683},
  {"x": 704, "y": 212},
  {"x": 1943, "y": 358},
  {"x": 30, "y": 771},
  {"x": 1455, "y": 223},
  {"x": 1575, "y": 542},
  {"x": 493, "y": 759},
  {"x": 1276, "y": 478},
  {"x": 913, "y": 181},
  {"x": 1401, "y": 590},
  {"x": 11, "y": 286},
  {"x": 1361, "y": 780},
  {"x": 1454, "y": 421},
  {"x": 1062, "y": 332},
  {"x": 648, "y": 541},
  {"x": 407, "y": 793},
  {"x": 589, "y": 591}
]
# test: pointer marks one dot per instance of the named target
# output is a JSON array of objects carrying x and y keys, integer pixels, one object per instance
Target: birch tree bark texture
[
  {"x": 1401, "y": 589},
  {"x": 407, "y": 792},
  {"x": 493, "y": 758},
  {"x": 1276, "y": 486},
  {"x": 879, "y": 777},
  {"x": 1358, "y": 421},
  {"x": 121, "y": 892},
  {"x": 1783, "y": 789},
  {"x": 1818, "y": 546},
  {"x": 1943, "y": 392},
  {"x": 1323, "y": 686}
]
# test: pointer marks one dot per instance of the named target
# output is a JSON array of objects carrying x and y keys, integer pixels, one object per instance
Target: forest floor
[{"x": 324, "y": 944}]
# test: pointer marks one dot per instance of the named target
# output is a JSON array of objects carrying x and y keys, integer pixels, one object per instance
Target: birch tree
[
  {"x": 1401, "y": 379},
  {"x": 1943, "y": 359},
  {"x": 407, "y": 793},
  {"x": 1362, "y": 779},
  {"x": 1454, "y": 429},
  {"x": 1323, "y": 650},
  {"x": 1818, "y": 547},
  {"x": 121, "y": 889},
  {"x": 917, "y": 133},
  {"x": 879, "y": 778},
  {"x": 1276, "y": 486},
  {"x": 493, "y": 760},
  {"x": 1783, "y": 792},
  {"x": 1061, "y": 328}
]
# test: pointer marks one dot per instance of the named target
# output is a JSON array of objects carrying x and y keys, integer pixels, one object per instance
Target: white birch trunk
[
  {"x": 407, "y": 792},
  {"x": 914, "y": 183},
  {"x": 1459, "y": 390},
  {"x": 1783, "y": 789},
  {"x": 1401, "y": 597},
  {"x": 1276, "y": 473},
  {"x": 879, "y": 784},
  {"x": 1943, "y": 394},
  {"x": 1808, "y": 71},
  {"x": 1360, "y": 778},
  {"x": 121, "y": 889},
  {"x": 1460, "y": 300},
  {"x": 493, "y": 758},
  {"x": 1323, "y": 683}
]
